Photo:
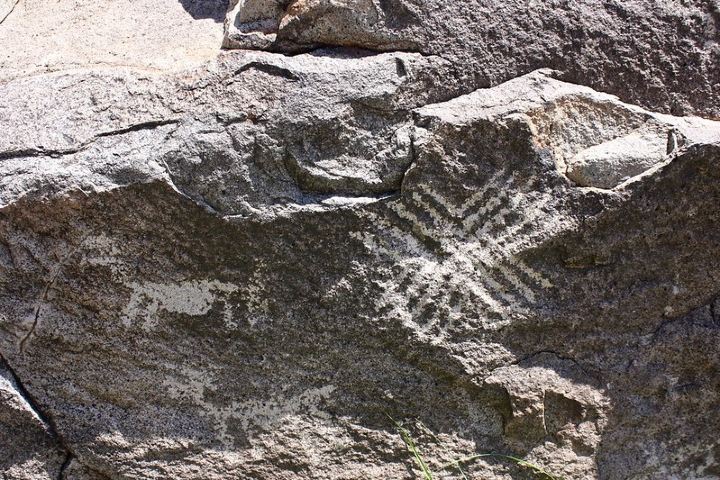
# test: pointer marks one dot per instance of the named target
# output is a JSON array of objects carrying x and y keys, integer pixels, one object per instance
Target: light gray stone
[
  {"x": 6, "y": 8},
  {"x": 662, "y": 55},
  {"x": 606, "y": 165},
  {"x": 29, "y": 448},
  {"x": 255, "y": 267},
  {"x": 155, "y": 36}
]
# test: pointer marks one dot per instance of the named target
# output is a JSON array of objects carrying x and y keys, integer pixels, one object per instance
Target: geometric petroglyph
[{"x": 452, "y": 261}]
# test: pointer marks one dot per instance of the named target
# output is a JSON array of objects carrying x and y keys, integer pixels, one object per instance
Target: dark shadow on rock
[{"x": 200, "y": 9}]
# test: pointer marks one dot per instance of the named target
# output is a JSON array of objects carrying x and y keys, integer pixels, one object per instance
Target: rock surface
[
  {"x": 157, "y": 36},
  {"x": 249, "y": 268},
  {"x": 661, "y": 54},
  {"x": 29, "y": 447}
]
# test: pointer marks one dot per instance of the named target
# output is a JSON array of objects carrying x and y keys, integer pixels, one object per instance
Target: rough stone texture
[
  {"x": 660, "y": 54},
  {"x": 157, "y": 36},
  {"x": 6, "y": 8},
  {"x": 242, "y": 270},
  {"x": 29, "y": 449}
]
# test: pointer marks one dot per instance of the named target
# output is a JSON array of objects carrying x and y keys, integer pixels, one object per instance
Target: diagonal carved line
[
  {"x": 452, "y": 306},
  {"x": 439, "y": 200},
  {"x": 407, "y": 244},
  {"x": 408, "y": 241},
  {"x": 534, "y": 275},
  {"x": 502, "y": 256},
  {"x": 511, "y": 248},
  {"x": 473, "y": 220},
  {"x": 481, "y": 292},
  {"x": 381, "y": 250},
  {"x": 499, "y": 217},
  {"x": 451, "y": 209},
  {"x": 419, "y": 226},
  {"x": 439, "y": 220},
  {"x": 442, "y": 303},
  {"x": 502, "y": 253},
  {"x": 382, "y": 246},
  {"x": 485, "y": 278},
  {"x": 528, "y": 219},
  {"x": 504, "y": 273},
  {"x": 437, "y": 216},
  {"x": 491, "y": 206},
  {"x": 493, "y": 182}
]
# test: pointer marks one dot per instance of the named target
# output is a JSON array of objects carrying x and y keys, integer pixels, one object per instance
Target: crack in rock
[
  {"x": 43, "y": 298},
  {"x": 45, "y": 419}
]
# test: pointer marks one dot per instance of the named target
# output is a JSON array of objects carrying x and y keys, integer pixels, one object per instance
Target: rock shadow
[{"x": 202, "y": 9}]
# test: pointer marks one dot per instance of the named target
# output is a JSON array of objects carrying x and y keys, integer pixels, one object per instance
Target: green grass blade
[
  {"x": 412, "y": 447},
  {"x": 518, "y": 461},
  {"x": 457, "y": 464}
]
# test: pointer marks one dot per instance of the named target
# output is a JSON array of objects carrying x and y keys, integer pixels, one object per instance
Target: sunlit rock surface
[{"x": 254, "y": 266}]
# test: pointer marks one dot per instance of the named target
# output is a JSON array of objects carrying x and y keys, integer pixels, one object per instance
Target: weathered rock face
[
  {"x": 154, "y": 36},
  {"x": 29, "y": 449},
  {"x": 663, "y": 55},
  {"x": 242, "y": 270}
]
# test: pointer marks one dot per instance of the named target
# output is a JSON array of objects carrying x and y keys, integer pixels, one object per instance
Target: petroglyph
[
  {"x": 194, "y": 298},
  {"x": 454, "y": 258},
  {"x": 201, "y": 388}
]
